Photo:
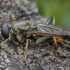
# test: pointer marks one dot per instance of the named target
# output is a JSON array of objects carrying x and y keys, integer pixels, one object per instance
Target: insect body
[{"x": 25, "y": 31}]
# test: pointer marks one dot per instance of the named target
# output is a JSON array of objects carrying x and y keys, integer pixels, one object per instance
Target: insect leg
[
  {"x": 55, "y": 42},
  {"x": 58, "y": 49},
  {"x": 53, "y": 23},
  {"x": 26, "y": 49},
  {"x": 50, "y": 20},
  {"x": 68, "y": 46},
  {"x": 5, "y": 41}
]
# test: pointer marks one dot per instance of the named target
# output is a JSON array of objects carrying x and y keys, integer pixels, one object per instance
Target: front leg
[
  {"x": 26, "y": 49},
  {"x": 5, "y": 41}
]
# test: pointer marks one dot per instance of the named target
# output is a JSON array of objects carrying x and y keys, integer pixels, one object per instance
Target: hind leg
[{"x": 49, "y": 21}]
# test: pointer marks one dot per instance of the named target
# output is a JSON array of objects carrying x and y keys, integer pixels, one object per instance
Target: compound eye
[{"x": 5, "y": 31}]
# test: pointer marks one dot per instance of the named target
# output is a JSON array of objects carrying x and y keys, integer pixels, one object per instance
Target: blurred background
[{"x": 58, "y": 8}]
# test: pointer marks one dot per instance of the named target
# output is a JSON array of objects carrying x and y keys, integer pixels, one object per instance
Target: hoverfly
[{"x": 26, "y": 31}]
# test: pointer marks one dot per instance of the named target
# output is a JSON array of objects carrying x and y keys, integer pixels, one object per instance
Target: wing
[{"x": 52, "y": 30}]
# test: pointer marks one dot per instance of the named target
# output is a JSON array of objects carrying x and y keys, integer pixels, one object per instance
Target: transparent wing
[
  {"x": 43, "y": 29},
  {"x": 51, "y": 29}
]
